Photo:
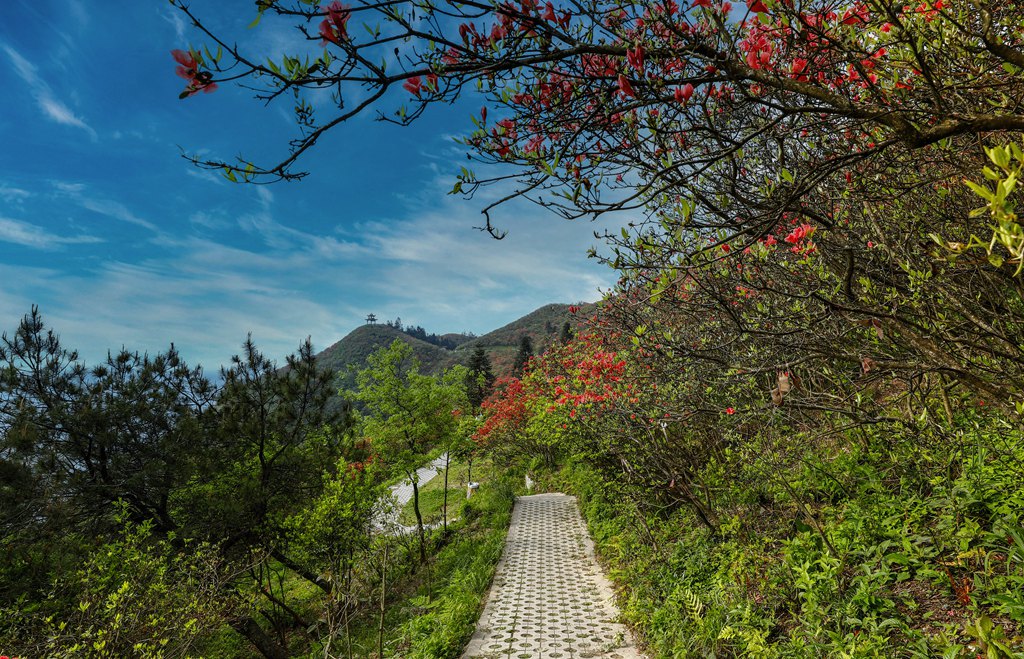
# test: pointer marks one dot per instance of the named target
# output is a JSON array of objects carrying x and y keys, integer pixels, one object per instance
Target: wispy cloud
[
  {"x": 55, "y": 109},
  {"x": 115, "y": 210},
  {"x": 30, "y": 235},
  {"x": 107, "y": 207},
  {"x": 11, "y": 194},
  {"x": 174, "y": 17}
]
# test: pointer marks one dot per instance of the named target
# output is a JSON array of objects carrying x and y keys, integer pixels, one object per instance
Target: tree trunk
[
  {"x": 383, "y": 582},
  {"x": 447, "y": 461},
  {"x": 419, "y": 520},
  {"x": 267, "y": 646}
]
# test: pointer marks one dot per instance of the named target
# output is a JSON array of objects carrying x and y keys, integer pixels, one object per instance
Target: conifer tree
[
  {"x": 523, "y": 356},
  {"x": 480, "y": 377}
]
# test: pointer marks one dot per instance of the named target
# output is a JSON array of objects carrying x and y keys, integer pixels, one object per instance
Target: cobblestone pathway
[{"x": 549, "y": 598}]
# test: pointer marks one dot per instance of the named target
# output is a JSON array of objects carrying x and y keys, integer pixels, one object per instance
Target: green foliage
[
  {"x": 136, "y": 596},
  {"x": 900, "y": 558},
  {"x": 1000, "y": 207},
  {"x": 408, "y": 413}
]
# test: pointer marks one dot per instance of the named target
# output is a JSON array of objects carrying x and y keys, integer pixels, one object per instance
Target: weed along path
[{"x": 549, "y": 598}]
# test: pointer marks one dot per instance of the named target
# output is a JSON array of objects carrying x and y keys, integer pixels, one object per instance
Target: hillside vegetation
[{"x": 543, "y": 326}]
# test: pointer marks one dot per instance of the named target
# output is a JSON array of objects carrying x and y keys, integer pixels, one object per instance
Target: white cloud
[
  {"x": 427, "y": 265},
  {"x": 12, "y": 194},
  {"x": 30, "y": 235},
  {"x": 174, "y": 17},
  {"x": 107, "y": 207},
  {"x": 51, "y": 106}
]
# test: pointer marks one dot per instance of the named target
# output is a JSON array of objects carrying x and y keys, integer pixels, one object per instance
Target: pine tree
[
  {"x": 523, "y": 356},
  {"x": 480, "y": 377}
]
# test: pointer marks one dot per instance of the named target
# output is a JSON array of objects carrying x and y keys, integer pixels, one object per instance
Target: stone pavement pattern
[{"x": 549, "y": 598}]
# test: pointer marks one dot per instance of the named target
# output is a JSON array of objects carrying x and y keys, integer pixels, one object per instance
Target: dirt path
[{"x": 549, "y": 598}]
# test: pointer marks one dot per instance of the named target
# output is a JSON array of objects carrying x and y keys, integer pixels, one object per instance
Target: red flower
[
  {"x": 413, "y": 85},
  {"x": 799, "y": 233},
  {"x": 683, "y": 94},
  {"x": 635, "y": 58},
  {"x": 855, "y": 15},
  {"x": 757, "y": 6},
  {"x": 334, "y": 28},
  {"x": 188, "y": 69},
  {"x": 730, "y": 410},
  {"x": 625, "y": 87}
]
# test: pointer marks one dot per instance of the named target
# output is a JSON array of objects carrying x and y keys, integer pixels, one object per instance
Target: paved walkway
[
  {"x": 402, "y": 494},
  {"x": 403, "y": 491},
  {"x": 549, "y": 599}
]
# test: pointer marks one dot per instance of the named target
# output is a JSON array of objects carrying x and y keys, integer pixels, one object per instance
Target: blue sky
[{"x": 121, "y": 242}]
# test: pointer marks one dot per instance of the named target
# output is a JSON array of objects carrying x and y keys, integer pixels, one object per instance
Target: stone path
[
  {"x": 549, "y": 599},
  {"x": 402, "y": 494},
  {"x": 403, "y": 491}
]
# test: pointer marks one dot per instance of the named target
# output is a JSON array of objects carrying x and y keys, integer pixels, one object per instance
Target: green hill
[
  {"x": 353, "y": 350},
  {"x": 544, "y": 326}
]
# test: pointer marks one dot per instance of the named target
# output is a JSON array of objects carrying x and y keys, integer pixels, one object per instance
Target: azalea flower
[
  {"x": 625, "y": 87},
  {"x": 413, "y": 85},
  {"x": 188, "y": 69},
  {"x": 635, "y": 57},
  {"x": 683, "y": 94},
  {"x": 334, "y": 28}
]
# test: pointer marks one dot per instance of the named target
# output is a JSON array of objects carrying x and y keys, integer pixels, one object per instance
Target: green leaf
[{"x": 982, "y": 192}]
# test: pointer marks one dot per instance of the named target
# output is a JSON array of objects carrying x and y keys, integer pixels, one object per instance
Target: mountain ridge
[{"x": 543, "y": 325}]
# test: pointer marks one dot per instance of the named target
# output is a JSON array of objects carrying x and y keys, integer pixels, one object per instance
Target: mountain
[
  {"x": 544, "y": 326},
  {"x": 360, "y": 342}
]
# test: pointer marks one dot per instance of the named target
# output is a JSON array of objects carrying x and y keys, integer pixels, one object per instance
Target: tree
[
  {"x": 523, "y": 355},
  {"x": 819, "y": 87},
  {"x": 723, "y": 131},
  {"x": 479, "y": 378},
  {"x": 275, "y": 438},
  {"x": 408, "y": 414},
  {"x": 75, "y": 441}
]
